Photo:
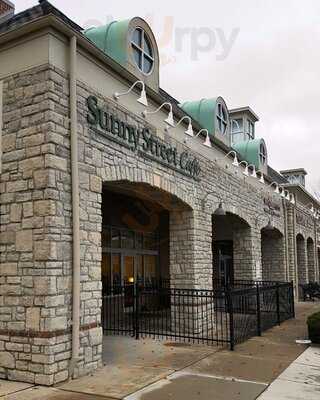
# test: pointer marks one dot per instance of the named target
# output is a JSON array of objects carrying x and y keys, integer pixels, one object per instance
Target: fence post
[
  {"x": 258, "y": 311},
  {"x": 136, "y": 309},
  {"x": 231, "y": 321},
  {"x": 278, "y": 303}
]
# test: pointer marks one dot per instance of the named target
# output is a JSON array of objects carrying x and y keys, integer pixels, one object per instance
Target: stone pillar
[
  {"x": 246, "y": 255},
  {"x": 302, "y": 260},
  {"x": 273, "y": 257},
  {"x": 311, "y": 261},
  {"x": 292, "y": 243},
  {"x": 190, "y": 249},
  {"x": 191, "y": 268}
]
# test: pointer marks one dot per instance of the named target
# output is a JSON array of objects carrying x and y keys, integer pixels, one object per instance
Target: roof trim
[{"x": 246, "y": 109}]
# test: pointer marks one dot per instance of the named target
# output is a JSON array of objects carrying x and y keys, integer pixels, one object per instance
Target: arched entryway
[
  {"x": 272, "y": 255},
  {"x": 141, "y": 227},
  {"x": 311, "y": 260},
  {"x": 231, "y": 249}
]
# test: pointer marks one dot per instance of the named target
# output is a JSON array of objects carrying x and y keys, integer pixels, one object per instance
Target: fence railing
[{"x": 224, "y": 316}]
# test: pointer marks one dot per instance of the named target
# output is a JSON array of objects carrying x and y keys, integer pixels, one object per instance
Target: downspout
[
  {"x": 75, "y": 208},
  {"x": 1, "y": 122},
  {"x": 286, "y": 240},
  {"x": 295, "y": 252}
]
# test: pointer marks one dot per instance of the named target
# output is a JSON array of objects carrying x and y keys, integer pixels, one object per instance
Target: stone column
[{"x": 311, "y": 261}]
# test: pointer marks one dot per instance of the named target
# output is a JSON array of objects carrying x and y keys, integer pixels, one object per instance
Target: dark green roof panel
[
  {"x": 111, "y": 39},
  {"x": 203, "y": 111},
  {"x": 249, "y": 150}
]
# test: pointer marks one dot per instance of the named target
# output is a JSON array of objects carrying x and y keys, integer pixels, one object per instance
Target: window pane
[
  {"x": 127, "y": 239},
  {"x": 150, "y": 242},
  {"x": 147, "y": 46},
  {"x": 137, "y": 37},
  {"x": 139, "y": 268},
  {"x": 106, "y": 272},
  {"x": 147, "y": 66},
  {"x": 139, "y": 241},
  {"x": 150, "y": 269},
  {"x": 115, "y": 238},
  {"x": 116, "y": 270},
  {"x": 137, "y": 57},
  {"x": 128, "y": 269}
]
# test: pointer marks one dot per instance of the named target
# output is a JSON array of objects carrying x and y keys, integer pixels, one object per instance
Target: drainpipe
[
  {"x": 286, "y": 240},
  {"x": 75, "y": 207},
  {"x": 295, "y": 251},
  {"x": 1, "y": 119}
]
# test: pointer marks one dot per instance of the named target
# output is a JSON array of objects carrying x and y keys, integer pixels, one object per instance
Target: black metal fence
[{"x": 224, "y": 316}]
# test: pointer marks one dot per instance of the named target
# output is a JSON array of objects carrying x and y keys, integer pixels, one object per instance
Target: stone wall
[
  {"x": 36, "y": 223},
  {"x": 272, "y": 254}
]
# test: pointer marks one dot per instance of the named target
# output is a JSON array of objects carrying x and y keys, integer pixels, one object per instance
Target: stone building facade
[{"x": 37, "y": 214}]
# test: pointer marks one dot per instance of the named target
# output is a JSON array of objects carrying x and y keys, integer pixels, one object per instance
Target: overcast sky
[{"x": 261, "y": 53}]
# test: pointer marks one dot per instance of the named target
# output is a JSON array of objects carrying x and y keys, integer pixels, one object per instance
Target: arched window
[
  {"x": 222, "y": 119},
  {"x": 263, "y": 154},
  {"x": 142, "y": 51}
]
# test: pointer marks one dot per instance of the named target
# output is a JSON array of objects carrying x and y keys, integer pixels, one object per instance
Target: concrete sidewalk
[
  {"x": 153, "y": 370},
  {"x": 300, "y": 381}
]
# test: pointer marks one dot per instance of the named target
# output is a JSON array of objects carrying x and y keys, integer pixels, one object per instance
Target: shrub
[{"x": 314, "y": 327}]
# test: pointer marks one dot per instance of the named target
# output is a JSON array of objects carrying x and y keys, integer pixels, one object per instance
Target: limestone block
[
  {"x": 15, "y": 212},
  {"x": 7, "y": 360},
  {"x": 45, "y": 250},
  {"x": 8, "y": 269},
  {"x": 95, "y": 184},
  {"x": 33, "y": 319},
  {"x": 44, "y": 207},
  {"x": 52, "y": 161},
  {"x": 24, "y": 240}
]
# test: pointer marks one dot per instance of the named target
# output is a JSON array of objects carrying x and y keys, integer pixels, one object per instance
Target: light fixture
[
  {"x": 143, "y": 96},
  {"x": 207, "y": 142},
  {"x": 261, "y": 180},
  {"x": 254, "y": 172},
  {"x": 220, "y": 211},
  {"x": 189, "y": 130},
  {"x": 169, "y": 120},
  {"x": 131, "y": 279},
  {"x": 246, "y": 170},
  {"x": 292, "y": 199},
  {"x": 282, "y": 194},
  {"x": 276, "y": 190},
  {"x": 235, "y": 162}
]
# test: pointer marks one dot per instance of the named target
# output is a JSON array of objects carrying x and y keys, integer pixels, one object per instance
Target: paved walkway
[
  {"x": 150, "y": 370},
  {"x": 300, "y": 381}
]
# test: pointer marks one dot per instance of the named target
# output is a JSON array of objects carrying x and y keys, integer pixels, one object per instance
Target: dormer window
[
  {"x": 263, "y": 154},
  {"x": 250, "y": 129},
  {"x": 236, "y": 125},
  {"x": 222, "y": 119},
  {"x": 142, "y": 51}
]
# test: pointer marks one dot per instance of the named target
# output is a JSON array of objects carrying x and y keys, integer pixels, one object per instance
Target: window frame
[
  {"x": 222, "y": 118},
  {"x": 263, "y": 154},
  {"x": 141, "y": 49}
]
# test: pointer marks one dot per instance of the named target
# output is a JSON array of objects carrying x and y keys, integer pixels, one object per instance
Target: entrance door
[
  {"x": 223, "y": 263},
  {"x": 128, "y": 274}
]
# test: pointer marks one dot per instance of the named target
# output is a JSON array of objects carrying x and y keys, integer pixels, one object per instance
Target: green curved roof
[
  {"x": 249, "y": 150},
  {"x": 203, "y": 111},
  {"x": 111, "y": 39}
]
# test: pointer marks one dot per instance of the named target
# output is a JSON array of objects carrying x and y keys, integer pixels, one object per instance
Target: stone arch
[
  {"x": 273, "y": 255},
  {"x": 232, "y": 248},
  {"x": 311, "y": 260},
  {"x": 148, "y": 177},
  {"x": 301, "y": 259}
]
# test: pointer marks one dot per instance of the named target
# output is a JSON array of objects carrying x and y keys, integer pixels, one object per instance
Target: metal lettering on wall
[
  {"x": 271, "y": 207},
  {"x": 141, "y": 141},
  {"x": 304, "y": 220}
]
